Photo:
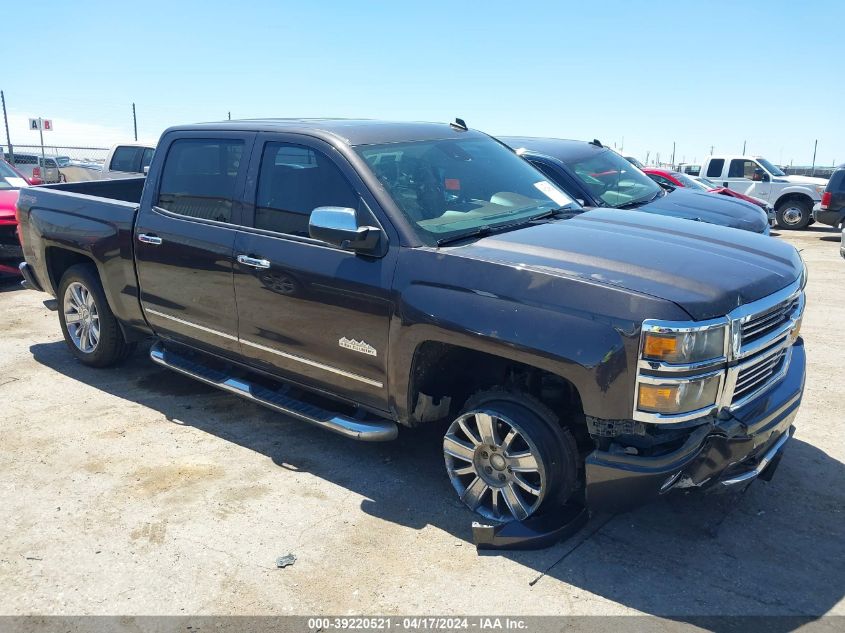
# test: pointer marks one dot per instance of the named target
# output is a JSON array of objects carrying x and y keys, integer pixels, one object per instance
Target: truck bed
[{"x": 82, "y": 222}]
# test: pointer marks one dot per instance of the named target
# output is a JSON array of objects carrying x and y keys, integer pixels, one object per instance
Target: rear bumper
[
  {"x": 727, "y": 454},
  {"x": 826, "y": 216},
  {"x": 30, "y": 281}
]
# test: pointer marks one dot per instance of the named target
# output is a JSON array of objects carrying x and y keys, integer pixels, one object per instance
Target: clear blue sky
[{"x": 699, "y": 73}]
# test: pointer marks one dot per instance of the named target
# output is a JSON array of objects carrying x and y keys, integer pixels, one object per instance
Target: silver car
[{"x": 37, "y": 170}]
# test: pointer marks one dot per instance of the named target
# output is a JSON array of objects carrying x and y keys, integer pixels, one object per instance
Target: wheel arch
[
  {"x": 794, "y": 195},
  {"x": 441, "y": 370}
]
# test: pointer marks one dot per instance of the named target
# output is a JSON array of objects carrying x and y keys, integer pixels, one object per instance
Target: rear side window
[
  {"x": 292, "y": 182},
  {"x": 199, "y": 176},
  {"x": 837, "y": 182},
  {"x": 714, "y": 169}
]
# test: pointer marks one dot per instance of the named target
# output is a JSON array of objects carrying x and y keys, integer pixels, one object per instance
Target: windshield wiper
[
  {"x": 485, "y": 230},
  {"x": 479, "y": 232},
  {"x": 636, "y": 203}
]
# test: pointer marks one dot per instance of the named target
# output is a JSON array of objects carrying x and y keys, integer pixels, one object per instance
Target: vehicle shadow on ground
[{"x": 777, "y": 549}]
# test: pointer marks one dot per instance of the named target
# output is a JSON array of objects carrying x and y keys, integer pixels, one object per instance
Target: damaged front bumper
[{"x": 727, "y": 453}]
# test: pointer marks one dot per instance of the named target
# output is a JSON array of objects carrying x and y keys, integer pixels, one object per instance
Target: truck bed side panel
[{"x": 99, "y": 228}]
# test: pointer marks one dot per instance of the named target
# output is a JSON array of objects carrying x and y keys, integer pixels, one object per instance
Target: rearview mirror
[{"x": 338, "y": 226}]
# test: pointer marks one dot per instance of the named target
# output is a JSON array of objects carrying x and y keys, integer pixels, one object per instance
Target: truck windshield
[
  {"x": 613, "y": 180},
  {"x": 454, "y": 187},
  {"x": 774, "y": 171}
]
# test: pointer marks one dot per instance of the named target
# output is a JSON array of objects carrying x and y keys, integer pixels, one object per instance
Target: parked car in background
[
  {"x": 11, "y": 255},
  {"x": 421, "y": 273},
  {"x": 690, "y": 169},
  {"x": 600, "y": 177},
  {"x": 792, "y": 197},
  {"x": 127, "y": 160},
  {"x": 36, "y": 169},
  {"x": 673, "y": 179},
  {"x": 831, "y": 209}
]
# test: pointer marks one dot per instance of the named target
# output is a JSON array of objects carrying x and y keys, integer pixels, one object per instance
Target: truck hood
[
  {"x": 804, "y": 180},
  {"x": 706, "y": 270},
  {"x": 704, "y": 206}
]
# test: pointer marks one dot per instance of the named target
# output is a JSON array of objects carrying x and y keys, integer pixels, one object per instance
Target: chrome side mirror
[{"x": 338, "y": 226}]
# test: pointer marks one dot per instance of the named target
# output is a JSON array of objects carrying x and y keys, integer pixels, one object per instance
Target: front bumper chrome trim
[{"x": 761, "y": 466}]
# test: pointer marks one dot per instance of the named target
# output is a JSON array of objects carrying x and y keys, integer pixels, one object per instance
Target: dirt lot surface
[{"x": 138, "y": 491}]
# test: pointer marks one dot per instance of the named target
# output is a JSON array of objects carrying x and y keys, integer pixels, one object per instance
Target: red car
[
  {"x": 677, "y": 179},
  {"x": 11, "y": 253}
]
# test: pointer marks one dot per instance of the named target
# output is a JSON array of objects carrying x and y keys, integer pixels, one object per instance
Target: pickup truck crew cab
[
  {"x": 792, "y": 197},
  {"x": 361, "y": 275}
]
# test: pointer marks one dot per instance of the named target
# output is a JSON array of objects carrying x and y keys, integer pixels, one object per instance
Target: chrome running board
[{"x": 364, "y": 430}]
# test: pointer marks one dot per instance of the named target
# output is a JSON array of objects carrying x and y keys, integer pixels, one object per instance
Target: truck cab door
[
  {"x": 184, "y": 238},
  {"x": 310, "y": 312},
  {"x": 748, "y": 176}
]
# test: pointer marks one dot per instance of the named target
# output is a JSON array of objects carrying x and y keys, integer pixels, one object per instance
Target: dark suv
[{"x": 832, "y": 208}]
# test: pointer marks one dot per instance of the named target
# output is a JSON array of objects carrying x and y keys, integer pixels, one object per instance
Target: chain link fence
[{"x": 59, "y": 164}]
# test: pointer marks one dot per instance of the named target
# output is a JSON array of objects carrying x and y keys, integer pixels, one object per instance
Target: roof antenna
[
  {"x": 459, "y": 124},
  {"x": 596, "y": 142}
]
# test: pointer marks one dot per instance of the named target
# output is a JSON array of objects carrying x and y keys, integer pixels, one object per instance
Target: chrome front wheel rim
[
  {"x": 495, "y": 468},
  {"x": 792, "y": 215},
  {"x": 81, "y": 317}
]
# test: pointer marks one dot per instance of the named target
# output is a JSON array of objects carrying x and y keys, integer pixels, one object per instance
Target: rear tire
[
  {"x": 794, "y": 214},
  {"x": 508, "y": 457},
  {"x": 90, "y": 328}
]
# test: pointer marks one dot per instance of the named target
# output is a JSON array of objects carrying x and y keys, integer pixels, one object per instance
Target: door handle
[
  {"x": 146, "y": 238},
  {"x": 246, "y": 260}
]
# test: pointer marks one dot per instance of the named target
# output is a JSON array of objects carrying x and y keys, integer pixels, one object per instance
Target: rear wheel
[
  {"x": 508, "y": 457},
  {"x": 91, "y": 330},
  {"x": 793, "y": 214}
]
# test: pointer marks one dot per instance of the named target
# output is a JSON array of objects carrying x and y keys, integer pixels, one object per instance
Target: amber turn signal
[
  {"x": 660, "y": 346},
  {"x": 662, "y": 398}
]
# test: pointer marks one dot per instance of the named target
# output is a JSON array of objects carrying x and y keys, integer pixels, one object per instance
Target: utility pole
[
  {"x": 711, "y": 149},
  {"x": 673, "y": 154},
  {"x": 743, "y": 148},
  {"x": 815, "y": 147},
  {"x": 647, "y": 154},
  {"x": 230, "y": 115},
  {"x": 8, "y": 138},
  {"x": 135, "y": 122}
]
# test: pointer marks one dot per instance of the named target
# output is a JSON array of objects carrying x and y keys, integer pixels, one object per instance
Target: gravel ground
[{"x": 138, "y": 491}]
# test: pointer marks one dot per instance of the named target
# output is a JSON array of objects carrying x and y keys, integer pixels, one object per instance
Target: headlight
[
  {"x": 679, "y": 397},
  {"x": 683, "y": 346}
]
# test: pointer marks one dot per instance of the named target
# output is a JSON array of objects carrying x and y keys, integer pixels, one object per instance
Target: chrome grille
[
  {"x": 769, "y": 320},
  {"x": 757, "y": 373}
]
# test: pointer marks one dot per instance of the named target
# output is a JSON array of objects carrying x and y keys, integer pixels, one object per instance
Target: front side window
[
  {"x": 292, "y": 182},
  {"x": 715, "y": 167},
  {"x": 612, "y": 179},
  {"x": 199, "y": 176},
  {"x": 741, "y": 168},
  {"x": 449, "y": 188}
]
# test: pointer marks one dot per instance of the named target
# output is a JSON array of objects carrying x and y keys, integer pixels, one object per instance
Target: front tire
[
  {"x": 794, "y": 214},
  {"x": 90, "y": 328},
  {"x": 507, "y": 457}
]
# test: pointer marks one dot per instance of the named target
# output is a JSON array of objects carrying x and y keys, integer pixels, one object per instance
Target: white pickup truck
[{"x": 792, "y": 197}]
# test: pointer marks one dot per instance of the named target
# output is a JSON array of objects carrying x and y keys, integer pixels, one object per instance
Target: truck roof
[
  {"x": 349, "y": 131},
  {"x": 562, "y": 149}
]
